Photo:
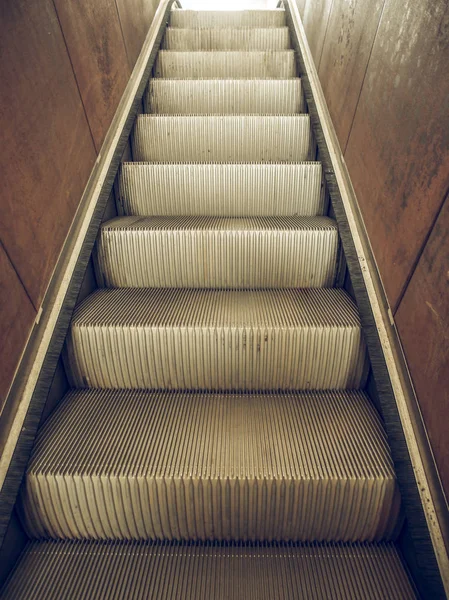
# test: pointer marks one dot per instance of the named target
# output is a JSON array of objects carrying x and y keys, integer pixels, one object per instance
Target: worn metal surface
[
  {"x": 229, "y": 96},
  {"x": 142, "y": 571},
  {"x": 160, "y": 338},
  {"x": 398, "y": 152},
  {"x": 273, "y": 38},
  {"x": 423, "y": 324},
  {"x": 229, "y": 190},
  {"x": 94, "y": 40},
  {"x": 258, "y": 64},
  {"x": 188, "y": 19},
  {"x": 222, "y": 138},
  {"x": 303, "y": 466},
  {"x": 214, "y": 252},
  {"x": 347, "y": 46}
]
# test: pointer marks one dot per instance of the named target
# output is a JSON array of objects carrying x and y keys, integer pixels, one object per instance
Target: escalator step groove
[
  {"x": 225, "y": 96},
  {"x": 272, "y": 38},
  {"x": 174, "y": 572},
  {"x": 230, "y": 190},
  {"x": 222, "y": 138},
  {"x": 167, "y": 338},
  {"x": 231, "y": 64},
  {"x": 188, "y": 19},
  {"x": 218, "y": 252},
  {"x": 298, "y": 466}
]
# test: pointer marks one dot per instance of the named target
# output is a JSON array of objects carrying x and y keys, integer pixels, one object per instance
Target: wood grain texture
[
  {"x": 135, "y": 18},
  {"x": 94, "y": 40},
  {"x": 423, "y": 323},
  {"x": 347, "y": 47},
  {"x": 315, "y": 16},
  {"x": 301, "y": 5},
  {"x": 17, "y": 315},
  {"x": 398, "y": 150},
  {"x": 47, "y": 150}
]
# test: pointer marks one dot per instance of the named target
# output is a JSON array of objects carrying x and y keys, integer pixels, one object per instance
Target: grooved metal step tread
[
  {"x": 218, "y": 252},
  {"x": 225, "y": 18},
  {"x": 216, "y": 64},
  {"x": 221, "y": 189},
  {"x": 141, "y": 465},
  {"x": 272, "y": 38},
  {"x": 165, "y": 338},
  {"x": 140, "y": 570},
  {"x": 228, "y": 96},
  {"x": 224, "y": 138}
]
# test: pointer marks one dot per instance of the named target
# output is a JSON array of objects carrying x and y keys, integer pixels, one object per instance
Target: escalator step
[
  {"x": 222, "y": 138},
  {"x": 123, "y": 570},
  {"x": 225, "y": 96},
  {"x": 272, "y": 38},
  {"x": 162, "y": 338},
  {"x": 263, "y": 64},
  {"x": 311, "y": 466},
  {"x": 230, "y": 190},
  {"x": 218, "y": 252},
  {"x": 192, "y": 19}
]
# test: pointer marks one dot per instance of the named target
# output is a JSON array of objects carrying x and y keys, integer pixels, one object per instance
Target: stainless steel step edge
[{"x": 310, "y": 466}]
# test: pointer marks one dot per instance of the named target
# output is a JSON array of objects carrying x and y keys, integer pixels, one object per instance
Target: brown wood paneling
[
  {"x": 398, "y": 150},
  {"x": 17, "y": 315},
  {"x": 315, "y": 16},
  {"x": 423, "y": 324},
  {"x": 136, "y": 17},
  {"x": 94, "y": 39},
  {"x": 47, "y": 151},
  {"x": 301, "y": 5},
  {"x": 347, "y": 46}
]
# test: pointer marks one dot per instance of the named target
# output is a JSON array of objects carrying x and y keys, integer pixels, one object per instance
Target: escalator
[{"x": 219, "y": 439}]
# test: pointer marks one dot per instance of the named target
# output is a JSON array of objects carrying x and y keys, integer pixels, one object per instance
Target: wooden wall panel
[
  {"x": 47, "y": 151},
  {"x": 301, "y": 6},
  {"x": 136, "y": 17},
  {"x": 315, "y": 16},
  {"x": 95, "y": 43},
  {"x": 398, "y": 151},
  {"x": 62, "y": 76},
  {"x": 17, "y": 315},
  {"x": 423, "y": 323},
  {"x": 350, "y": 36}
]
